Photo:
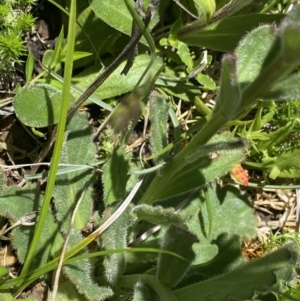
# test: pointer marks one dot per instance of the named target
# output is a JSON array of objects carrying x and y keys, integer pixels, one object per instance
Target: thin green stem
[{"x": 59, "y": 141}]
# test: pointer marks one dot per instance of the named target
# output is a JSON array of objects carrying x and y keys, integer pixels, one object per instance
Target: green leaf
[
  {"x": 77, "y": 149},
  {"x": 231, "y": 7},
  {"x": 215, "y": 36},
  {"x": 29, "y": 66},
  {"x": 142, "y": 292},
  {"x": 179, "y": 241},
  {"x": 226, "y": 202},
  {"x": 240, "y": 284},
  {"x": 251, "y": 52},
  {"x": 228, "y": 258},
  {"x": 158, "y": 117},
  {"x": 285, "y": 165},
  {"x": 183, "y": 52},
  {"x": 9, "y": 297},
  {"x": 290, "y": 39},
  {"x": 66, "y": 291},
  {"x": 10, "y": 208},
  {"x": 93, "y": 34},
  {"x": 197, "y": 169},
  {"x": 3, "y": 272},
  {"x": 183, "y": 90},
  {"x": 286, "y": 89},
  {"x": 57, "y": 53},
  {"x": 205, "y": 8},
  {"x": 229, "y": 96},
  {"x": 157, "y": 215},
  {"x": 115, "y": 237},
  {"x": 206, "y": 81},
  {"x": 115, "y": 176},
  {"x": 116, "y": 15},
  {"x": 3, "y": 180},
  {"x": 46, "y": 102},
  {"x": 117, "y": 83},
  {"x": 276, "y": 137},
  {"x": 80, "y": 274}
]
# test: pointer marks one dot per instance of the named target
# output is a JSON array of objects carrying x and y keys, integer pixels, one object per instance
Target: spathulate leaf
[
  {"x": 38, "y": 105},
  {"x": 251, "y": 52}
]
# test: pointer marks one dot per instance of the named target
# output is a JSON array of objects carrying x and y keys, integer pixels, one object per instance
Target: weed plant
[{"x": 167, "y": 225}]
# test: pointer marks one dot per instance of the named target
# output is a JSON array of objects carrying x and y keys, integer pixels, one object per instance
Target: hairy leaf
[
  {"x": 231, "y": 213},
  {"x": 115, "y": 237},
  {"x": 157, "y": 215},
  {"x": 179, "y": 241},
  {"x": 30, "y": 199},
  {"x": 115, "y": 176},
  {"x": 78, "y": 149},
  {"x": 199, "y": 168},
  {"x": 46, "y": 102},
  {"x": 251, "y": 52},
  {"x": 215, "y": 36},
  {"x": 286, "y": 89},
  {"x": 80, "y": 274},
  {"x": 241, "y": 283},
  {"x": 158, "y": 117}
]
